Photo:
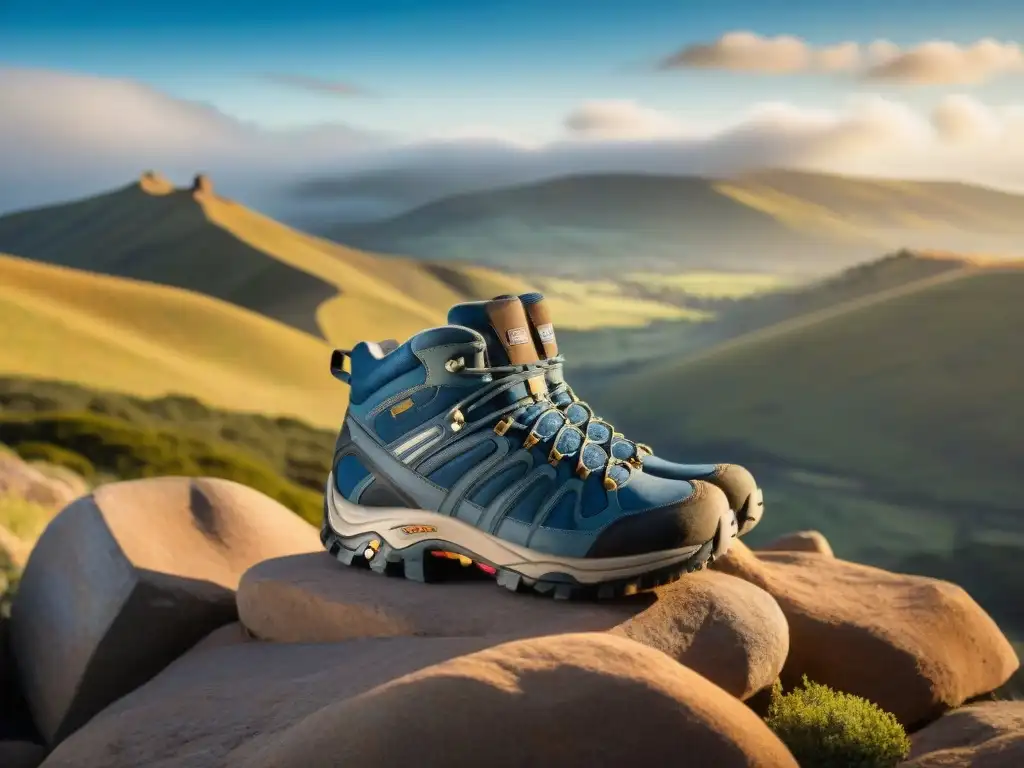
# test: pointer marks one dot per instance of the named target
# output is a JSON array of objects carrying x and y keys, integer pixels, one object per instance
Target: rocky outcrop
[
  {"x": 31, "y": 483},
  {"x": 128, "y": 578},
  {"x": 19, "y": 740},
  {"x": 913, "y": 645},
  {"x": 177, "y": 622},
  {"x": 985, "y": 735},
  {"x": 567, "y": 700},
  {"x": 230, "y": 634},
  {"x": 152, "y": 183},
  {"x": 724, "y": 628},
  {"x": 21, "y": 754},
  {"x": 202, "y": 185},
  {"x": 800, "y": 541}
]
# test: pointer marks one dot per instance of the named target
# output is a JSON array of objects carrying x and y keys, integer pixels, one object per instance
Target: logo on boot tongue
[
  {"x": 517, "y": 336},
  {"x": 546, "y": 333}
]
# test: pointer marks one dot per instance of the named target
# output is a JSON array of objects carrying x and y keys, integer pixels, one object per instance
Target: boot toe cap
[{"x": 690, "y": 521}]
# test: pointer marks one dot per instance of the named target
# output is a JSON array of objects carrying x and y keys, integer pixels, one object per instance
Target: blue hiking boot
[
  {"x": 450, "y": 447},
  {"x": 738, "y": 484}
]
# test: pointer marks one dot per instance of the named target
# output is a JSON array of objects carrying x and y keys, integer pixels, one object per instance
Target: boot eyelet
[
  {"x": 458, "y": 421},
  {"x": 455, "y": 365},
  {"x": 555, "y": 456}
]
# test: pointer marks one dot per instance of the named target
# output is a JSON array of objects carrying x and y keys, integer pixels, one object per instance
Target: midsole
[{"x": 398, "y": 527}]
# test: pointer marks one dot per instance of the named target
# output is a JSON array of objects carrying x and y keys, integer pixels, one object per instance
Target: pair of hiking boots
[{"x": 465, "y": 442}]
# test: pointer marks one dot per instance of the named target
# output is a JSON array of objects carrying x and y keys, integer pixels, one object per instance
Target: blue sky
[{"x": 431, "y": 67}]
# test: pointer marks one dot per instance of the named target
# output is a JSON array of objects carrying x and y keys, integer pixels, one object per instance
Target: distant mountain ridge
[
  {"x": 773, "y": 221},
  {"x": 195, "y": 239}
]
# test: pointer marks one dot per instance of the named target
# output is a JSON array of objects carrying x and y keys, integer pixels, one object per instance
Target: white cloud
[
  {"x": 619, "y": 119},
  {"x": 86, "y": 130},
  {"x": 929, "y": 63},
  {"x": 745, "y": 52},
  {"x": 944, "y": 63},
  {"x": 67, "y": 135},
  {"x": 960, "y": 119}
]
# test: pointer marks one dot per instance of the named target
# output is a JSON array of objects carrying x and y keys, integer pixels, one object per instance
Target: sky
[{"x": 295, "y": 89}]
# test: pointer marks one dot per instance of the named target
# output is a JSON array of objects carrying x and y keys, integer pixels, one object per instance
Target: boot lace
[{"x": 592, "y": 442}]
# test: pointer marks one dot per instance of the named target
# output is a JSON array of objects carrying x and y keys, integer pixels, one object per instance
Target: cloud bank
[
  {"x": 71, "y": 134},
  {"x": 929, "y": 63},
  {"x": 65, "y": 135},
  {"x": 615, "y": 119}
]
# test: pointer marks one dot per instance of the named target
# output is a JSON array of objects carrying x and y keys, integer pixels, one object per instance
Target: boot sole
[{"x": 415, "y": 543}]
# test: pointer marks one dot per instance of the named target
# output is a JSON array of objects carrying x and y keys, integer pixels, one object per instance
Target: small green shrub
[
  {"x": 25, "y": 519},
  {"x": 297, "y": 451},
  {"x": 828, "y": 729},
  {"x": 128, "y": 450},
  {"x": 55, "y": 454}
]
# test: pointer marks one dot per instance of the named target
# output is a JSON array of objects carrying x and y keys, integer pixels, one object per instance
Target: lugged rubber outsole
[
  {"x": 750, "y": 512},
  {"x": 420, "y": 561}
]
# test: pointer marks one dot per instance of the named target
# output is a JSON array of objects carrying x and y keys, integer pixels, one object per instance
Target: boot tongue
[
  {"x": 541, "y": 327},
  {"x": 504, "y": 325}
]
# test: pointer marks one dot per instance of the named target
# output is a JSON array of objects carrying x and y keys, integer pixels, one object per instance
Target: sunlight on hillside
[
  {"x": 149, "y": 340},
  {"x": 801, "y": 215},
  {"x": 384, "y": 297},
  {"x": 714, "y": 285},
  {"x": 890, "y": 416}
]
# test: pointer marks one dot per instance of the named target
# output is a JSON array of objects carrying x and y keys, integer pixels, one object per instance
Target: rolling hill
[
  {"x": 891, "y": 423},
  {"x": 776, "y": 222},
  {"x": 200, "y": 241},
  {"x": 890, "y": 390},
  {"x": 615, "y": 349},
  {"x": 149, "y": 340}
]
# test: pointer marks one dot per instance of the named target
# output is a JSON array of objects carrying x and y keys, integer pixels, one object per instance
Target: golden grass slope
[
  {"x": 149, "y": 340},
  {"x": 849, "y": 208},
  {"x": 397, "y": 297},
  {"x": 203, "y": 242},
  {"x": 914, "y": 391}
]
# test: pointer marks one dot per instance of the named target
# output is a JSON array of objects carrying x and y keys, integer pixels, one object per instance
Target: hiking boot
[
  {"x": 736, "y": 482},
  {"x": 449, "y": 447}
]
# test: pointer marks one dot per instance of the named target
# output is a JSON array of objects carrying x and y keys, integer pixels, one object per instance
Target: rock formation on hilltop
[
  {"x": 202, "y": 185},
  {"x": 151, "y": 182}
]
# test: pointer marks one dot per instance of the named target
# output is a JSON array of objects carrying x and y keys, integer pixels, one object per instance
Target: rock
[
  {"x": 22, "y": 480},
  {"x": 153, "y": 183},
  {"x": 202, "y": 185},
  {"x": 567, "y": 700},
  {"x": 800, "y": 541},
  {"x": 72, "y": 483},
  {"x": 230, "y": 634},
  {"x": 988, "y": 735},
  {"x": 723, "y": 628},
  {"x": 16, "y": 726},
  {"x": 125, "y": 580},
  {"x": 21, "y": 754},
  {"x": 913, "y": 645}
]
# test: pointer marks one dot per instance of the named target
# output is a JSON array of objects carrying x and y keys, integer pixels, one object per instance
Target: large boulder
[
  {"x": 230, "y": 634},
  {"x": 913, "y": 645},
  {"x": 19, "y": 739},
  {"x": 799, "y": 541},
  {"x": 986, "y": 735},
  {"x": 126, "y": 579},
  {"x": 724, "y": 628},
  {"x": 21, "y": 754},
  {"x": 567, "y": 700}
]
